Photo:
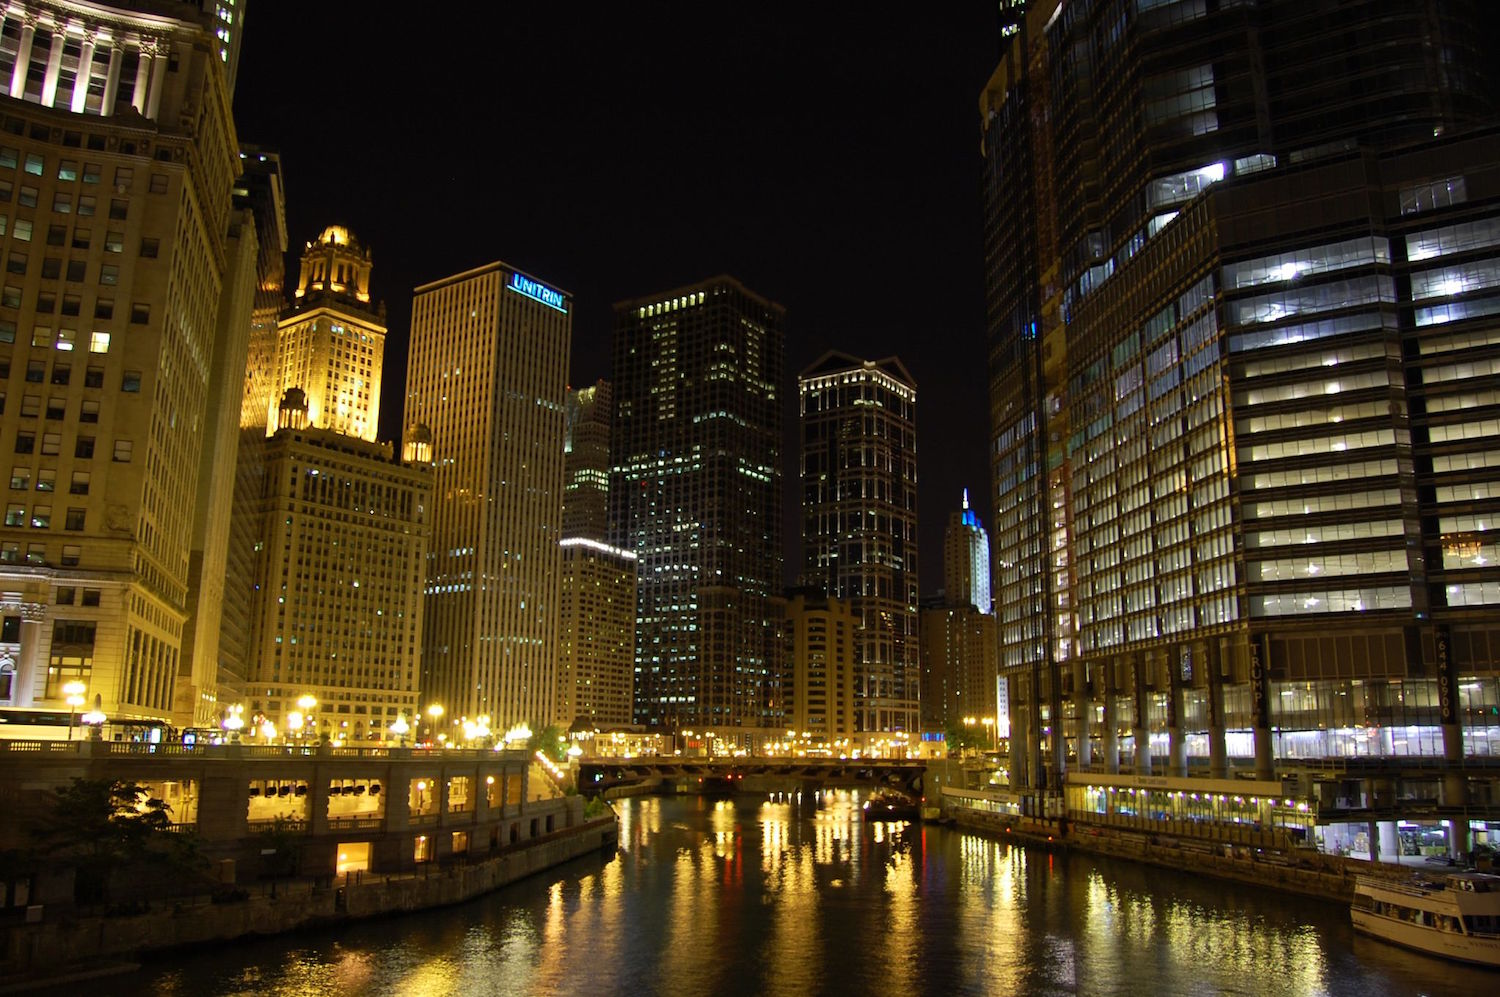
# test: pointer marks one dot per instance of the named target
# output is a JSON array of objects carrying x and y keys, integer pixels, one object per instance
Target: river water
[{"x": 798, "y": 896}]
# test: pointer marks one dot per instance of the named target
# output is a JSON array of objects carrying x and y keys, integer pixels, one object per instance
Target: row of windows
[
  {"x": 41, "y": 517},
  {"x": 83, "y": 446}
]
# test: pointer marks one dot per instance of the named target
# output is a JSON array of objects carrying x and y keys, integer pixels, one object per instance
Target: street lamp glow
[
  {"x": 74, "y": 690},
  {"x": 268, "y": 730},
  {"x": 95, "y": 718}
]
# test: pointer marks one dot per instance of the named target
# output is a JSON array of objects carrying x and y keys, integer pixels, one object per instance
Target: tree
[
  {"x": 280, "y": 850},
  {"x": 961, "y": 738},
  {"x": 551, "y": 742},
  {"x": 102, "y": 825}
]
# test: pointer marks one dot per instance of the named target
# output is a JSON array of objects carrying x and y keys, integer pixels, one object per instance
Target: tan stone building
[
  {"x": 820, "y": 698},
  {"x": 596, "y": 634},
  {"x": 487, "y": 373},
  {"x": 116, "y": 164}
]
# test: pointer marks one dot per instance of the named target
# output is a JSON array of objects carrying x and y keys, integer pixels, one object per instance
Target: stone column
[
  {"x": 1218, "y": 752},
  {"x": 85, "y": 72},
  {"x": 23, "y": 56},
  {"x": 158, "y": 80},
  {"x": 1176, "y": 737},
  {"x": 1083, "y": 705},
  {"x": 142, "y": 76},
  {"x": 317, "y": 800},
  {"x": 1142, "y": 716},
  {"x": 54, "y": 64},
  {"x": 1111, "y": 724},
  {"x": 112, "y": 78}
]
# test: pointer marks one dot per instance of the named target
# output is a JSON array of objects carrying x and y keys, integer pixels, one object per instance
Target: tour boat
[
  {"x": 889, "y": 805},
  {"x": 1457, "y": 918}
]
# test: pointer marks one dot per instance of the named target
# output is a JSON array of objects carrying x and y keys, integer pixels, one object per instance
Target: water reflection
[{"x": 794, "y": 894}]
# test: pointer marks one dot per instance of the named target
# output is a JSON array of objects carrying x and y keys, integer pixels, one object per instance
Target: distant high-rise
[
  {"x": 596, "y": 635},
  {"x": 487, "y": 375},
  {"x": 822, "y": 681},
  {"x": 119, "y": 154},
  {"x": 859, "y": 521},
  {"x": 966, "y": 560},
  {"x": 586, "y": 464},
  {"x": 696, "y": 494},
  {"x": 1241, "y": 261}
]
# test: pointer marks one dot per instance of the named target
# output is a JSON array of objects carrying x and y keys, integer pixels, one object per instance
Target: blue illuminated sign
[{"x": 537, "y": 292}]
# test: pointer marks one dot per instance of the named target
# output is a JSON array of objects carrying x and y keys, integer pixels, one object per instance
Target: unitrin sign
[{"x": 537, "y": 292}]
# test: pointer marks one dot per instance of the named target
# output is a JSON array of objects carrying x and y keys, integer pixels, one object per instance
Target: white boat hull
[{"x": 1482, "y": 951}]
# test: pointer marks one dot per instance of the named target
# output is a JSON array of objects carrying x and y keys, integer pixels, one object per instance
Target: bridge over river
[{"x": 626, "y": 776}]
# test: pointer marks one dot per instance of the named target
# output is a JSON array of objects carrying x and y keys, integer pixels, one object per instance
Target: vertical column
[
  {"x": 1260, "y": 711},
  {"x": 1083, "y": 705},
  {"x": 112, "y": 78},
  {"x": 1176, "y": 737},
  {"x": 1142, "y": 716},
  {"x": 23, "y": 56},
  {"x": 85, "y": 71},
  {"x": 54, "y": 64},
  {"x": 142, "y": 75},
  {"x": 158, "y": 79},
  {"x": 1215, "y": 654},
  {"x": 1111, "y": 723}
]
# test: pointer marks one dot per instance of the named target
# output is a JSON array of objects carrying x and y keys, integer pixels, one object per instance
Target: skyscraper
[
  {"x": 341, "y": 523},
  {"x": 487, "y": 375},
  {"x": 859, "y": 516},
  {"x": 696, "y": 494},
  {"x": 120, "y": 154},
  {"x": 1237, "y": 263},
  {"x": 596, "y": 634},
  {"x": 966, "y": 559},
  {"x": 958, "y": 630},
  {"x": 586, "y": 464}
]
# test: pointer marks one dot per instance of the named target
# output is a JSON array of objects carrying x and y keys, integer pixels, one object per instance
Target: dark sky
[{"x": 828, "y": 158}]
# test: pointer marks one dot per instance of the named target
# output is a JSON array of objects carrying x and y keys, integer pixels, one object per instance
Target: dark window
[
  {"x": 10, "y": 630},
  {"x": 84, "y": 447},
  {"x": 93, "y": 377},
  {"x": 73, "y": 520},
  {"x": 117, "y": 208},
  {"x": 25, "y": 443},
  {"x": 131, "y": 381}
]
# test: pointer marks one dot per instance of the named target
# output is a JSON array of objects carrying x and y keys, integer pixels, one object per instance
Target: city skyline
[{"x": 858, "y": 134}]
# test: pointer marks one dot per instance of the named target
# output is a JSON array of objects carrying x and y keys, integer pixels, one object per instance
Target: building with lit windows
[
  {"x": 259, "y": 188},
  {"x": 596, "y": 635},
  {"x": 822, "y": 686},
  {"x": 337, "y": 609},
  {"x": 958, "y": 630},
  {"x": 966, "y": 560},
  {"x": 116, "y": 169},
  {"x": 586, "y": 463},
  {"x": 859, "y": 521},
  {"x": 487, "y": 375},
  {"x": 1241, "y": 343},
  {"x": 696, "y": 495}
]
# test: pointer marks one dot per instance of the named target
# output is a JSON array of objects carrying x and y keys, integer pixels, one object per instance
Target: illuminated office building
[
  {"x": 696, "y": 494},
  {"x": 337, "y": 608},
  {"x": 340, "y": 524},
  {"x": 487, "y": 374},
  {"x": 958, "y": 630},
  {"x": 821, "y": 693},
  {"x": 116, "y": 165},
  {"x": 859, "y": 521},
  {"x": 259, "y": 188},
  {"x": 586, "y": 463},
  {"x": 1241, "y": 262},
  {"x": 596, "y": 635},
  {"x": 966, "y": 559}
]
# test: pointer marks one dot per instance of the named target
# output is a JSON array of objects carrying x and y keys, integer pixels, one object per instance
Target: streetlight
[
  {"x": 434, "y": 714},
  {"x": 994, "y": 733},
  {"x": 308, "y": 702},
  {"x": 294, "y": 721},
  {"x": 399, "y": 728},
  {"x": 233, "y": 720},
  {"x": 94, "y": 719},
  {"x": 74, "y": 690}
]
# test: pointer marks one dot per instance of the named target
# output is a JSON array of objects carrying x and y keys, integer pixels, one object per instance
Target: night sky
[{"x": 828, "y": 159}]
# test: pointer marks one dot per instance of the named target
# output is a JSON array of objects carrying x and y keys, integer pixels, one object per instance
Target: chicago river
[{"x": 797, "y": 895}]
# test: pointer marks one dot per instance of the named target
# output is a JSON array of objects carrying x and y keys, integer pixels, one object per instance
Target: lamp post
[
  {"x": 399, "y": 728},
  {"x": 307, "y": 702},
  {"x": 233, "y": 721},
  {"x": 989, "y": 723},
  {"x": 434, "y": 713},
  {"x": 74, "y": 690},
  {"x": 94, "y": 719}
]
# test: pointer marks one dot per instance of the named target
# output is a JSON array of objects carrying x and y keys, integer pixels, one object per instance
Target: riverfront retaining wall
[
  {"x": 56, "y": 944},
  {"x": 1326, "y": 877}
]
